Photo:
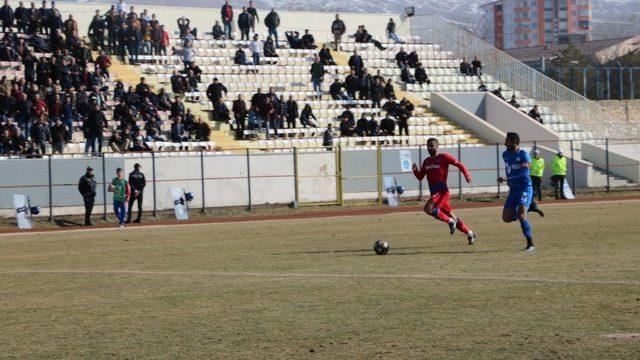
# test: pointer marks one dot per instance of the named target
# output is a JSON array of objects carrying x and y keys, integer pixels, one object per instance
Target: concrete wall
[
  {"x": 628, "y": 110},
  {"x": 203, "y": 18},
  {"x": 624, "y": 159},
  {"x": 461, "y": 109}
]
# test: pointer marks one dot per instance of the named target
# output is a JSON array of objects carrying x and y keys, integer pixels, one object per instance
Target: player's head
[
  {"x": 512, "y": 141},
  {"x": 432, "y": 146}
]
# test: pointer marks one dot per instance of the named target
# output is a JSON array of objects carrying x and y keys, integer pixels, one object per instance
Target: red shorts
[{"x": 441, "y": 200}]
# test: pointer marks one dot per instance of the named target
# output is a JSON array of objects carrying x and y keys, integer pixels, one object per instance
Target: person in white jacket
[{"x": 256, "y": 49}]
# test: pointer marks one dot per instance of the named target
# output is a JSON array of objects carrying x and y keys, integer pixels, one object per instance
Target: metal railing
[{"x": 518, "y": 76}]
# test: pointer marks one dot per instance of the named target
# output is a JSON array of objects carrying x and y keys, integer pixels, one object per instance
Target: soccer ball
[{"x": 381, "y": 247}]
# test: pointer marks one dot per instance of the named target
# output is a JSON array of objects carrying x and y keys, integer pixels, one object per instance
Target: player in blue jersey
[{"x": 517, "y": 163}]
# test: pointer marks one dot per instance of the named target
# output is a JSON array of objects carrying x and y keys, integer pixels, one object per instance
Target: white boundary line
[
  {"x": 178, "y": 224},
  {"x": 324, "y": 276}
]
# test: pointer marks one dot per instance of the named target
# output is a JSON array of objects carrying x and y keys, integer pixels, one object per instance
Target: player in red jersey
[{"x": 436, "y": 168}]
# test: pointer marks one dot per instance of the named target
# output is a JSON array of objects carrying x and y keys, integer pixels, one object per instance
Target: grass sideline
[{"x": 313, "y": 287}]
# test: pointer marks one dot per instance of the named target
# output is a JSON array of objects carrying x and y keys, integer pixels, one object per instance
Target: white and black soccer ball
[{"x": 381, "y": 247}]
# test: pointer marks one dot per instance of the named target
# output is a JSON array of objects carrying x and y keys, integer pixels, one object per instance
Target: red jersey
[{"x": 436, "y": 168}]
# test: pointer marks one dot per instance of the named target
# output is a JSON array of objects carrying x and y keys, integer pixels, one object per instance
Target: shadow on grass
[
  {"x": 344, "y": 251},
  {"x": 67, "y": 223},
  {"x": 393, "y": 253}
]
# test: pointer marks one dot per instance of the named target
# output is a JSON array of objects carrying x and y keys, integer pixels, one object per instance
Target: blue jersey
[{"x": 517, "y": 175}]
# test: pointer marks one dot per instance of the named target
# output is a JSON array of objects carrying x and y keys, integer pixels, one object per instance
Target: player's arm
[
  {"x": 418, "y": 173},
  {"x": 128, "y": 190},
  {"x": 457, "y": 163}
]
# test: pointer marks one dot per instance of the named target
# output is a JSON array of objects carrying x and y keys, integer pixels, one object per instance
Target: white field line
[
  {"x": 178, "y": 224},
  {"x": 322, "y": 276}
]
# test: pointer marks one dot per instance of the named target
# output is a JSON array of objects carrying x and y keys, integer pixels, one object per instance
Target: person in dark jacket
[
  {"x": 272, "y": 21},
  {"x": 534, "y": 113},
  {"x": 21, "y": 17},
  {"x": 335, "y": 90},
  {"x": 92, "y": 128},
  {"x": 388, "y": 126},
  {"x": 239, "y": 109},
  {"x": 477, "y": 66},
  {"x": 292, "y": 112},
  {"x": 6, "y": 16},
  {"x": 389, "y": 92},
  {"x": 401, "y": 57},
  {"x": 244, "y": 23},
  {"x": 269, "y": 48},
  {"x": 308, "y": 42},
  {"x": 377, "y": 92},
  {"x": 137, "y": 182},
  {"x": 325, "y": 56},
  {"x": 366, "y": 83},
  {"x": 317, "y": 76},
  {"x": 96, "y": 31},
  {"x": 391, "y": 32},
  {"x": 240, "y": 57},
  {"x": 58, "y": 136},
  {"x": 327, "y": 138},
  {"x": 217, "y": 31},
  {"x": 421, "y": 75},
  {"x": 87, "y": 188},
  {"x": 465, "y": 68},
  {"x": 352, "y": 84},
  {"x": 135, "y": 42},
  {"x": 40, "y": 134},
  {"x": 362, "y": 126},
  {"x": 215, "y": 90},
  {"x": 306, "y": 115},
  {"x": 338, "y": 29},
  {"x": 356, "y": 63}
]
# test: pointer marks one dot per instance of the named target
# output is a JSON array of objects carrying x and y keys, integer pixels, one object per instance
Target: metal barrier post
[
  {"x": 202, "y": 179},
  {"x": 498, "y": 166},
  {"x": 250, "y": 207},
  {"x": 420, "y": 164},
  {"x": 573, "y": 168},
  {"x": 340, "y": 177},
  {"x": 379, "y": 172},
  {"x": 606, "y": 159},
  {"x": 153, "y": 170},
  {"x": 296, "y": 185},
  {"x": 50, "y": 192},
  {"x": 104, "y": 189},
  {"x": 459, "y": 173}
]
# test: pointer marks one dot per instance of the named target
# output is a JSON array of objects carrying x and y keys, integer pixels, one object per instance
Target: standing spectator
[
  {"x": 22, "y": 17},
  {"x": 122, "y": 7},
  {"x": 535, "y": 114},
  {"x": 163, "y": 42},
  {"x": 377, "y": 92},
  {"x": 40, "y": 134},
  {"x": 254, "y": 15},
  {"x": 366, "y": 83},
  {"x": 317, "y": 76},
  {"x": 403, "y": 120},
  {"x": 215, "y": 90},
  {"x": 137, "y": 182},
  {"x": 134, "y": 37},
  {"x": 96, "y": 31},
  {"x": 188, "y": 54},
  {"x": 292, "y": 112},
  {"x": 92, "y": 128},
  {"x": 6, "y": 16},
  {"x": 68, "y": 116},
  {"x": 70, "y": 27},
  {"x": 256, "y": 49},
  {"x": 537, "y": 170},
  {"x": 337, "y": 29},
  {"x": 389, "y": 92},
  {"x": 239, "y": 110},
  {"x": 87, "y": 188},
  {"x": 356, "y": 63},
  {"x": 58, "y": 136},
  {"x": 147, "y": 48},
  {"x": 226, "y": 13},
  {"x": 121, "y": 193},
  {"x": 244, "y": 23},
  {"x": 272, "y": 21},
  {"x": 558, "y": 172},
  {"x": 391, "y": 32},
  {"x": 477, "y": 66},
  {"x": 327, "y": 137},
  {"x": 465, "y": 68}
]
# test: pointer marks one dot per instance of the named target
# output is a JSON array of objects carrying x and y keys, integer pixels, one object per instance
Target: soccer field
[{"x": 314, "y": 288}]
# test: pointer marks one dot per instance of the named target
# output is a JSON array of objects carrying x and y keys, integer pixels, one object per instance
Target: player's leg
[
  {"x": 535, "y": 208},
  {"x": 438, "y": 202},
  {"x": 523, "y": 206},
  {"x": 509, "y": 209},
  {"x": 460, "y": 225}
]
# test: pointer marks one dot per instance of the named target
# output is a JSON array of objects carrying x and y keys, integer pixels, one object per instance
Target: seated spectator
[
  {"x": 391, "y": 32},
  {"x": 362, "y": 126},
  {"x": 335, "y": 90},
  {"x": 401, "y": 57},
  {"x": 421, "y": 75},
  {"x": 406, "y": 77},
  {"x": 139, "y": 145},
  {"x": 186, "y": 33},
  {"x": 389, "y": 92},
  {"x": 306, "y": 115},
  {"x": 270, "y": 48},
  {"x": 347, "y": 126},
  {"x": 482, "y": 87},
  {"x": 202, "y": 130},
  {"x": 241, "y": 58},
  {"x": 513, "y": 102},
  {"x": 373, "y": 129},
  {"x": 325, "y": 56},
  {"x": 179, "y": 84},
  {"x": 363, "y": 36},
  {"x": 221, "y": 112},
  {"x": 388, "y": 126},
  {"x": 413, "y": 59},
  {"x": 534, "y": 113},
  {"x": 215, "y": 91},
  {"x": 152, "y": 130},
  {"x": 217, "y": 32},
  {"x": 465, "y": 68},
  {"x": 477, "y": 66},
  {"x": 178, "y": 132},
  {"x": 498, "y": 92},
  {"x": 118, "y": 143},
  {"x": 308, "y": 42},
  {"x": 293, "y": 37}
]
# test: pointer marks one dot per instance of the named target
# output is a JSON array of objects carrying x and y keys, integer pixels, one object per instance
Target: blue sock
[{"x": 526, "y": 230}]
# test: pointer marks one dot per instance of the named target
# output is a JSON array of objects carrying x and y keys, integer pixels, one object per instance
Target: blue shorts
[{"x": 519, "y": 197}]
